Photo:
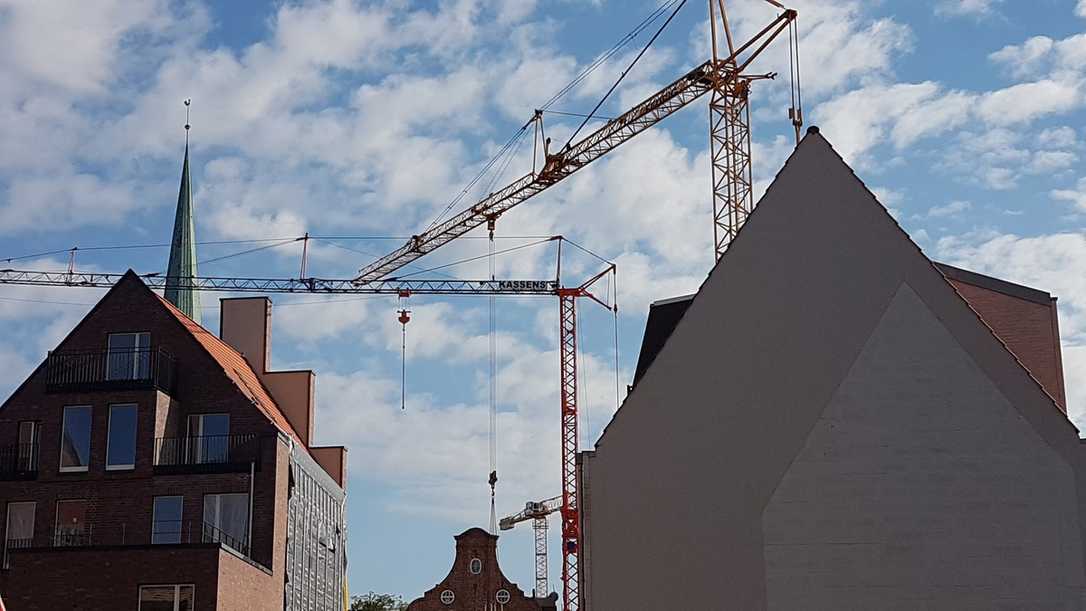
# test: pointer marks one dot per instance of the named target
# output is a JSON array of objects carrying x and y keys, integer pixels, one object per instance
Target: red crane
[{"x": 726, "y": 78}]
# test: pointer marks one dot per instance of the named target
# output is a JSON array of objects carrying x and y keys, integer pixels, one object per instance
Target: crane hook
[{"x": 405, "y": 317}]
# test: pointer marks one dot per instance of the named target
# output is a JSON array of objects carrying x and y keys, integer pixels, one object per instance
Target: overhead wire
[
  {"x": 626, "y": 72},
  {"x": 475, "y": 258}
]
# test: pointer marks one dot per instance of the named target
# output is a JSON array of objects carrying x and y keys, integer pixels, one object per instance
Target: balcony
[
  {"x": 19, "y": 462},
  {"x": 207, "y": 454},
  {"x": 144, "y": 368},
  {"x": 118, "y": 535}
]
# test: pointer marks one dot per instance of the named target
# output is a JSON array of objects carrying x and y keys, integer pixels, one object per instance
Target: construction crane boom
[
  {"x": 289, "y": 285},
  {"x": 537, "y": 512}
]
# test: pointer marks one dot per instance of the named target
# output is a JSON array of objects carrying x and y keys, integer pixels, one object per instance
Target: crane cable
[
  {"x": 795, "y": 113},
  {"x": 493, "y": 479},
  {"x": 625, "y": 72}
]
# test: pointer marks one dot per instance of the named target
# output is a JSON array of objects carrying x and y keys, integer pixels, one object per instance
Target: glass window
[
  {"x": 166, "y": 598},
  {"x": 129, "y": 356},
  {"x": 71, "y": 527},
  {"x": 209, "y": 438},
  {"x": 226, "y": 519},
  {"x": 19, "y": 527},
  {"x": 28, "y": 446},
  {"x": 121, "y": 445},
  {"x": 166, "y": 521},
  {"x": 475, "y": 566},
  {"x": 75, "y": 440}
]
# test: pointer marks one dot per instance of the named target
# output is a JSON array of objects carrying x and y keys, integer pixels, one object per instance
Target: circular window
[
  {"x": 502, "y": 597},
  {"x": 476, "y": 566},
  {"x": 448, "y": 597}
]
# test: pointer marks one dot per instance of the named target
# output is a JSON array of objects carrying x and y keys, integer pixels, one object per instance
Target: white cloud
[
  {"x": 1080, "y": 10},
  {"x": 958, "y": 8},
  {"x": 952, "y": 209},
  {"x": 37, "y": 204},
  {"x": 1075, "y": 196}
]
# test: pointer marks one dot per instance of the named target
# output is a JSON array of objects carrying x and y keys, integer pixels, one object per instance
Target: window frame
[
  {"x": 7, "y": 527},
  {"x": 64, "y": 430},
  {"x": 138, "y": 348},
  {"x": 28, "y": 451},
  {"x": 244, "y": 538},
  {"x": 154, "y": 518},
  {"x": 56, "y": 519},
  {"x": 135, "y": 436},
  {"x": 196, "y": 446},
  {"x": 176, "y": 593},
  {"x": 475, "y": 562}
]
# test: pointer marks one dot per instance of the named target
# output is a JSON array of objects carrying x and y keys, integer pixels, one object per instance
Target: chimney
[{"x": 245, "y": 324}]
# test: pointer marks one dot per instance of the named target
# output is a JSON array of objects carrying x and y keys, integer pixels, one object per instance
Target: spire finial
[{"x": 188, "y": 126}]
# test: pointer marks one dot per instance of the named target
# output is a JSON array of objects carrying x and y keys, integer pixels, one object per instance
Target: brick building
[
  {"x": 476, "y": 582},
  {"x": 148, "y": 464},
  {"x": 834, "y": 421}
]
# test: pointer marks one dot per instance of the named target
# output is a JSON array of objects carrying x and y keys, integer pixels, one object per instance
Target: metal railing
[
  {"x": 163, "y": 532},
  {"x": 207, "y": 450},
  {"x": 131, "y": 368},
  {"x": 19, "y": 458}
]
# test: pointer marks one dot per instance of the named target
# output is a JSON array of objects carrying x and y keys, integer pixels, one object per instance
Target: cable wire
[{"x": 470, "y": 259}]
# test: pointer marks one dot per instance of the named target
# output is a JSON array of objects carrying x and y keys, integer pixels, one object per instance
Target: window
[
  {"x": 448, "y": 597},
  {"x": 19, "y": 528},
  {"x": 75, "y": 440},
  {"x": 166, "y": 598},
  {"x": 209, "y": 436},
  {"x": 121, "y": 445},
  {"x": 502, "y": 597},
  {"x": 226, "y": 520},
  {"x": 128, "y": 356},
  {"x": 28, "y": 446},
  {"x": 166, "y": 520},
  {"x": 71, "y": 527},
  {"x": 475, "y": 566}
]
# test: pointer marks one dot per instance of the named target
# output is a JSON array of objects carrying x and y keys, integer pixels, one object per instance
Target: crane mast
[{"x": 537, "y": 512}]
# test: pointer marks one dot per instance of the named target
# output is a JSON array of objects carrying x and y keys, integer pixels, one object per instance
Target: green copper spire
[{"x": 181, "y": 270}]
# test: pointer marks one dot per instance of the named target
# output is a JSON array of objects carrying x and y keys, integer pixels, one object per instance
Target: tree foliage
[{"x": 377, "y": 602}]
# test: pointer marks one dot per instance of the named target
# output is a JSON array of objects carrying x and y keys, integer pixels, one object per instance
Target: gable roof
[
  {"x": 673, "y": 311},
  {"x": 236, "y": 368}
]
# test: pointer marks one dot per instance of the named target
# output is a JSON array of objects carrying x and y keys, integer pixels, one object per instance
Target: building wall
[
  {"x": 107, "y": 579},
  {"x": 121, "y": 502},
  {"x": 681, "y": 486},
  {"x": 316, "y": 538},
  {"x": 920, "y": 485},
  {"x": 475, "y": 591},
  {"x": 1029, "y": 329}
]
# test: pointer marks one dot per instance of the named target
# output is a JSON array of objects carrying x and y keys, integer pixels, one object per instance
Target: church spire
[{"x": 180, "y": 289}]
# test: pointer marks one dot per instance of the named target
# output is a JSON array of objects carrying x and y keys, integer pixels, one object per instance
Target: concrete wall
[
  {"x": 921, "y": 486},
  {"x": 677, "y": 490}
]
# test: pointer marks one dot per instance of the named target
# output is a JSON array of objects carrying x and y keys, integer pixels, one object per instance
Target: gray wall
[{"x": 758, "y": 401}]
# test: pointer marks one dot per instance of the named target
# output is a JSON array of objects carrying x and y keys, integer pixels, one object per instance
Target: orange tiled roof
[{"x": 236, "y": 368}]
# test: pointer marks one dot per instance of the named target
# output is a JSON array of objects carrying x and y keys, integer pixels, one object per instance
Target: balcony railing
[
  {"x": 206, "y": 452},
  {"x": 110, "y": 369},
  {"x": 19, "y": 461},
  {"x": 117, "y": 534}
]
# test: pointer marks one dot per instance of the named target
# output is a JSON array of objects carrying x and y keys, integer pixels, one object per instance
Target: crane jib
[{"x": 677, "y": 95}]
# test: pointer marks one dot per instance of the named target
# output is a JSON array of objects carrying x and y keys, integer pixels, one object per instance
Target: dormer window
[{"x": 129, "y": 356}]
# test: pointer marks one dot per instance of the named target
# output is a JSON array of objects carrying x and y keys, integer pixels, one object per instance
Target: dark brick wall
[
  {"x": 1029, "y": 329},
  {"x": 90, "y": 579},
  {"x": 120, "y": 508}
]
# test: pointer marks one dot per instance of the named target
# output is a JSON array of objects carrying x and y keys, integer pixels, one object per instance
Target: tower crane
[
  {"x": 726, "y": 78},
  {"x": 537, "y": 512}
]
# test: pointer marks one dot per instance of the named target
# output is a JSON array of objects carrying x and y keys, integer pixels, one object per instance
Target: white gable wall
[{"x": 677, "y": 486}]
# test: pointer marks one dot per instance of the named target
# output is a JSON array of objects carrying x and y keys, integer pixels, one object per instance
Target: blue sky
[{"x": 352, "y": 119}]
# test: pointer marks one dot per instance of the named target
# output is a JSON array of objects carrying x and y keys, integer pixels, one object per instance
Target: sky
[{"x": 359, "y": 122}]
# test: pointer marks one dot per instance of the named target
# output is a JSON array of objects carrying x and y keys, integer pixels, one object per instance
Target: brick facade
[
  {"x": 476, "y": 590},
  {"x": 116, "y": 555}
]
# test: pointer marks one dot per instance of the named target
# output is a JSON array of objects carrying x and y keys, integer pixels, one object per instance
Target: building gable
[{"x": 728, "y": 403}]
